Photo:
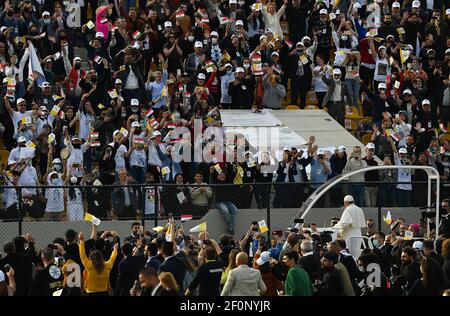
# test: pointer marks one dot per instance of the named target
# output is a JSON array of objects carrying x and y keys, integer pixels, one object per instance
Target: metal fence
[{"x": 228, "y": 208}]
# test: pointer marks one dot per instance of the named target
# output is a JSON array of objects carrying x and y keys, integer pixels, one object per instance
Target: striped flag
[
  {"x": 224, "y": 20},
  {"x": 186, "y": 217},
  {"x": 139, "y": 140},
  {"x": 179, "y": 15},
  {"x": 153, "y": 123},
  {"x": 136, "y": 35},
  {"x": 199, "y": 228},
  {"x": 104, "y": 21},
  {"x": 149, "y": 113},
  {"x": 94, "y": 139},
  {"x": 91, "y": 218}
]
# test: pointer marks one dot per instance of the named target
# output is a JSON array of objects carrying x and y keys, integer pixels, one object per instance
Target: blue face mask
[{"x": 376, "y": 244}]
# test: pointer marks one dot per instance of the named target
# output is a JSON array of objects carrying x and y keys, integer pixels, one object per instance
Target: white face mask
[
  {"x": 344, "y": 37},
  {"x": 214, "y": 41},
  {"x": 246, "y": 66},
  {"x": 191, "y": 38},
  {"x": 54, "y": 181}
]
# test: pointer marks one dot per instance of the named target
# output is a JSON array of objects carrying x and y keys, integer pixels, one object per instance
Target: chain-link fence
[{"x": 226, "y": 208}]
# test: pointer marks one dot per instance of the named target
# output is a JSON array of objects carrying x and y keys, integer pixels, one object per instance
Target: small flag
[
  {"x": 186, "y": 217},
  {"x": 404, "y": 55},
  {"x": 113, "y": 94},
  {"x": 57, "y": 56},
  {"x": 104, "y": 21},
  {"x": 205, "y": 20},
  {"x": 180, "y": 87},
  {"x": 169, "y": 233},
  {"x": 199, "y": 228},
  {"x": 136, "y": 35},
  {"x": 171, "y": 125},
  {"x": 30, "y": 144},
  {"x": 122, "y": 68},
  {"x": 164, "y": 91},
  {"x": 263, "y": 226},
  {"x": 158, "y": 229},
  {"x": 388, "y": 219},
  {"x": 217, "y": 168},
  {"x": 251, "y": 163},
  {"x": 401, "y": 30},
  {"x": 26, "y": 120},
  {"x": 303, "y": 59},
  {"x": 226, "y": 56},
  {"x": 56, "y": 97},
  {"x": 149, "y": 113},
  {"x": 124, "y": 132},
  {"x": 373, "y": 32},
  {"x": 153, "y": 123},
  {"x": 51, "y": 138},
  {"x": 55, "y": 110},
  {"x": 408, "y": 235},
  {"x": 101, "y": 106},
  {"x": 224, "y": 20},
  {"x": 91, "y": 218},
  {"x": 397, "y": 84},
  {"x": 179, "y": 15},
  {"x": 165, "y": 171},
  {"x": 139, "y": 140},
  {"x": 98, "y": 59},
  {"x": 90, "y": 25}
]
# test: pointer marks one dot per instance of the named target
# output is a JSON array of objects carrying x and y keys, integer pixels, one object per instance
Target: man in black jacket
[
  {"x": 309, "y": 260},
  {"x": 430, "y": 253},
  {"x": 128, "y": 270},
  {"x": 331, "y": 284},
  {"x": 339, "y": 248},
  {"x": 126, "y": 198},
  {"x": 49, "y": 279},
  {"x": 240, "y": 90},
  {"x": 173, "y": 264},
  {"x": 410, "y": 269}
]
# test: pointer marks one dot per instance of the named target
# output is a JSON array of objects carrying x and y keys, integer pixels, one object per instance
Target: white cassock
[{"x": 352, "y": 220}]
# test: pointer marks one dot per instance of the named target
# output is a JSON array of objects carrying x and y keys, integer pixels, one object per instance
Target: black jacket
[
  {"x": 332, "y": 284},
  {"x": 175, "y": 266},
  {"x": 311, "y": 264},
  {"x": 241, "y": 94},
  {"x": 128, "y": 273}
]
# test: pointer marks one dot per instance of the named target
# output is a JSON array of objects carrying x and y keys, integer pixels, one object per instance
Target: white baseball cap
[
  {"x": 201, "y": 76},
  {"x": 118, "y": 81},
  {"x": 239, "y": 22},
  {"x": 306, "y": 38},
  {"x": 167, "y": 24},
  {"x": 264, "y": 258},
  {"x": 76, "y": 59},
  {"x": 214, "y": 33},
  {"x": 233, "y": 2},
  {"x": 341, "y": 149},
  {"x": 402, "y": 150},
  {"x": 155, "y": 134},
  {"x": 239, "y": 69},
  {"x": 417, "y": 245},
  {"x": 447, "y": 51},
  {"x": 255, "y": 8},
  {"x": 275, "y": 54},
  {"x": 321, "y": 151},
  {"x": 286, "y": 149},
  {"x": 407, "y": 91},
  {"x": 198, "y": 44},
  {"x": 447, "y": 12},
  {"x": 99, "y": 34},
  {"x": 337, "y": 71},
  {"x": 323, "y": 11},
  {"x": 45, "y": 84},
  {"x": 45, "y": 13},
  {"x": 416, "y": 4},
  {"x": 229, "y": 65},
  {"x": 116, "y": 132},
  {"x": 134, "y": 102},
  {"x": 135, "y": 124},
  {"x": 262, "y": 37},
  {"x": 357, "y": 5},
  {"x": 348, "y": 198},
  {"x": 21, "y": 139},
  {"x": 396, "y": 4},
  {"x": 381, "y": 85},
  {"x": 425, "y": 101},
  {"x": 11, "y": 162},
  {"x": 370, "y": 146},
  {"x": 389, "y": 36},
  {"x": 56, "y": 160},
  {"x": 20, "y": 100}
]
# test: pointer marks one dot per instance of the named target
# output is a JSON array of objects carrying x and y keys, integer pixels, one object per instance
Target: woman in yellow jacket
[{"x": 97, "y": 281}]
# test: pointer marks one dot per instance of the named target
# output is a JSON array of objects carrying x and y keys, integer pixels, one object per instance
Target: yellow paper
[
  {"x": 30, "y": 144},
  {"x": 26, "y": 120},
  {"x": 303, "y": 59},
  {"x": 101, "y": 106},
  {"x": 218, "y": 169},
  {"x": 158, "y": 229},
  {"x": 401, "y": 30},
  {"x": 263, "y": 226},
  {"x": 226, "y": 56},
  {"x": 55, "y": 111},
  {"x": 90, "y": 24},
  {"x": 91, "y": 218},
  {"x": 408, "y": 235},
  {"x": 124, "y": 132},
  {"x": 165, "y": 171}
]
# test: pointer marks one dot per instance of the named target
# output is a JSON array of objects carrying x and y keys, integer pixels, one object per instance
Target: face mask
[
  {"x": 123, "y": 114},
  {"x": 57, "y": 167},
  {"x": 77, "y": 66},
  {"x": 344, "y": 37},
  {"x": 47, "y": 21},
  {"x": 191, "y": 38},
  {"x": 54, "y": 181},
  {"x": 73, "y": 180},
  {"x": 214, "y": 41},
  {"x": 337, "y": 80},
  {"x": 376, "y": 244},
  {"x": 246, "y": 66},
  {"x": 229, "y": 72}
]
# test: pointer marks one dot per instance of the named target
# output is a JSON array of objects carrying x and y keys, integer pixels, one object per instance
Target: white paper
[{"x": 181, "y": 197}]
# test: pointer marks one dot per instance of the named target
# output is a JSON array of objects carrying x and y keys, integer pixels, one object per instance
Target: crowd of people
[
  {"x": 156, "y": 67},
  {"x": 299, "y": 261}
]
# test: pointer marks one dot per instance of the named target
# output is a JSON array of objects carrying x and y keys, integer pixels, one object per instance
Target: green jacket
[{"x": 298, "y": 283}]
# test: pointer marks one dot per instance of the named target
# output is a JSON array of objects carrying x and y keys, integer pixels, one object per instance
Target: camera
[
  {"x": 207, "y": 242},
  {"x": 299, "y": 220},
  {"x": 59, "y": 261},
  {"x": 7, "y": 268}
]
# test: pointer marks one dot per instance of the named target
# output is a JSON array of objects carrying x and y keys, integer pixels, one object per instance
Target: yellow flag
[
  {"x": 408, "y": 235},
  {"x": 263, "y": 226},
  {"x": 164, "y": 91},
  {"x": 158, "y": 229},
  {"x": 199, "y": 228},
  {"x": 404, "y": 55},
  {"x": 91, "y": 218},
  {"x": 388, "y": 219}
]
